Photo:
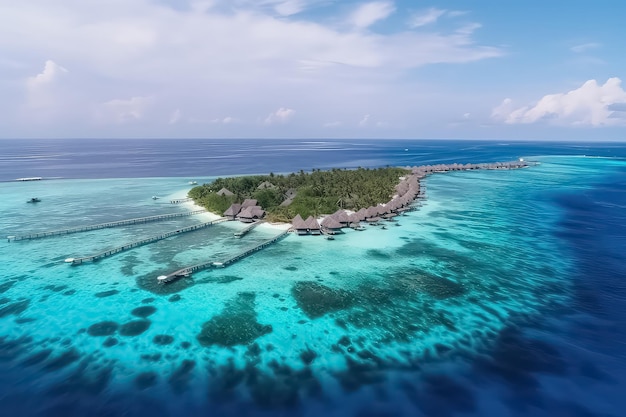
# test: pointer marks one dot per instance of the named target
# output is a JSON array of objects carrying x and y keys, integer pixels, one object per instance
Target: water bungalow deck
[
  {"x": 185, "y": 272},
  {"x": 104, "y": 225},
  {"x": 110, "y": 252}
]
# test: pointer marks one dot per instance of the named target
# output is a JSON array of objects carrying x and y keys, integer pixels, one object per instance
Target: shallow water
[{"x": 501, "y": 295}]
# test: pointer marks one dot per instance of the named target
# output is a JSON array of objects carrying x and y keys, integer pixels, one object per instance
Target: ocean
[{"x": 502, "y": 294}]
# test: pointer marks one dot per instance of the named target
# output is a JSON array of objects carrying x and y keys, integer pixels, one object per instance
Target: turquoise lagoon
[{"x": 306, "y": 324}]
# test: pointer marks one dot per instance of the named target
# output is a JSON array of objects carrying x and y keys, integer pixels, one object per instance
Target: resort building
[
  {"x": 225, "y": 192},
  {"x": 250, "y": 214},
  {"x": 232, "y": 211}
]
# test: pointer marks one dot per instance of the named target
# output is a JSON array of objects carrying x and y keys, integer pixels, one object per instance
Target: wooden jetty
[
  {"x": 181, "y": 200},
  {"x": 248, "y": 228},
  {"x": 110, "y": 252},
  {"x": 104, "y": 225},
  {"x": 185, "y": 272}
]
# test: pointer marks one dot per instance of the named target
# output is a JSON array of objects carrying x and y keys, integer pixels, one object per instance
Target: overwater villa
[{"x": 330, "y": 225}]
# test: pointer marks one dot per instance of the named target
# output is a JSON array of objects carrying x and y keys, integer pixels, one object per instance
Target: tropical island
[{"x": 290, "y": 198}]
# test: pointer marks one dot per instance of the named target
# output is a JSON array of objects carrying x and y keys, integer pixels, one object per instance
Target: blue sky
[{"x": 313, "y": 69}]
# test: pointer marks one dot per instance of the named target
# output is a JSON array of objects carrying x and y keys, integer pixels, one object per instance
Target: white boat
[{"x": 193, "y": 182}]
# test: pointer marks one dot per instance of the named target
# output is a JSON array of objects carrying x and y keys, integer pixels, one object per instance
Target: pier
[
  {"x": 104, "y": 225},
  {"x": 185, "y": 272},
  {"x": 181, "y": 200},
  {"x": 247, "y": 229},
  {"x": 110, "y": 252}
]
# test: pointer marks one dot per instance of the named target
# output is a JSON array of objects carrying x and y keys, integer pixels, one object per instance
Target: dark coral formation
[
  {"x": 316, "y": 300},
  {"x": 144, "y": 311},
  {"x": 235, "y": 325}
]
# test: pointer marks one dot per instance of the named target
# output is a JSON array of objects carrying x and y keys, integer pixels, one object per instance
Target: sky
[{"x": 490, "y": 69}]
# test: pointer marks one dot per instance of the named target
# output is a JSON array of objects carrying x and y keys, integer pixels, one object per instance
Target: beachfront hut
[
  {"x": 232, "y": 211},
  {"x": 251, "y": 214},
  {"x": 248, "y": 202},
  {"x": 331, "y": 225},
  {"x": 312, "y": 225},
  {"x": 225, "y": 192},
  {"x": 299, "y": 224},
  {"x": 264, "y": 185}
]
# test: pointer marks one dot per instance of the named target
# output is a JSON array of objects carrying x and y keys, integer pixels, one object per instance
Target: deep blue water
[
  {"x": 569, "y": 360},
  {"x": 138, "y": 158}
]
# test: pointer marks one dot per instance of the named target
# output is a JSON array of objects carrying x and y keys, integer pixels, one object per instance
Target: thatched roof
[
  {"x": 311, "y": 223},
  {"x": 371, "y": 212},
  {"x": 249, "y": 202},
  {"x": 298, "y": 222},
  {"x": 341, "y": 216},
  {"x": 225, "y": 191},
  {"x": 252, "y": 212},
  {"x": 233, "y": 210},
  {"x": 354, "y": 218},
  {"x": 265, "y": 184},
  {"x": 331, "y": 222}
]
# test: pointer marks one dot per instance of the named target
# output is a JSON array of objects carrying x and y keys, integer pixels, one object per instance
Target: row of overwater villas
[{"x": 406, "y": 192}]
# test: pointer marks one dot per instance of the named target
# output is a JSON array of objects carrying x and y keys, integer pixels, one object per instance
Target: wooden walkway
[
  {"x": 248, "y": 228},
  {"x": 104, "y": 225},
  {"x": 110, "y": 252},
  {"x": 181, "y": 200},
  {"x": 185, "y": 272}
]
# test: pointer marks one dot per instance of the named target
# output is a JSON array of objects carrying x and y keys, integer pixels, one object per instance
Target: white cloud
[
  {"x": 175, "y": 117},
  {"x": 217, "y": 57},
  {"x": 426, "y": 17},
  {"x": 469, "y": 28},
  {"x": 45, "y": 95},
  {"x": 289, "y": 7},
  {"x": 282, "y": 115},
  {"x": 332, "y": 124},
  {"x": 125, "y": 110},
  {"x": 365, "y": 120},
  {"x": 589, "y": 105},
  {"x": 224, "y": 120},
  {"x": 584, "y": 47},
  {"x": 51, "y": 72},
  {"x": 370, "y": 13}
]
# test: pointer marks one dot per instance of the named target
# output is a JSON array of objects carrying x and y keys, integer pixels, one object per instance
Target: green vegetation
[{"x": 318, "y": 192}]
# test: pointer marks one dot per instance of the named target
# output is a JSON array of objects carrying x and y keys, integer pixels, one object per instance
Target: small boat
[
  {"x": 34, "y": 200},
  {"x": 193, "y": 182},
  {"x": 330, "y": 237},
  {"x": 384, "y": 227},
  {"x": 154, "y": 197}
]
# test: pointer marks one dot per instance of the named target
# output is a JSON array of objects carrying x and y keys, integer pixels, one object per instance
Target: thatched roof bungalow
[
  {"x": 225, "y": 192},
  {"x": 299, "y": 224},
  {"x": 342, "y": 217},
  {"x": 265, "y": 184},
  {"x": 248, "y": 202},
  {"x": 232, "y": 211},
  {"x": 331, "y": 225},
  {"x": 312, "y": 225},
  {"x": 251, "y": 214}
]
